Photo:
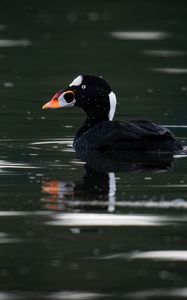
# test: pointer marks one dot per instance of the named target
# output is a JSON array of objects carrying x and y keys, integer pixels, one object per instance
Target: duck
[{"x": 99, "y": 131}]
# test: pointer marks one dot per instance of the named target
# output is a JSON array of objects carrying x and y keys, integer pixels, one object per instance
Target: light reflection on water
[
  {"x": 15, "y": 43},
  {"x": 176, "y": 126},
  {"x": 162, "y": 293},
  {"x": 139, "y": 35},
  {"x": 61, "y": 295},
  {"x": 6, "y": 238},
  {"x": 2, "y": 27},
  {"x": 165, "y": 255},
  {"x": 173, "y": 293},
  {"x": 60, "y": 142},
  {"x": 164, "y": 53},
  {"x": 60, "y": 195},
  {"x": 82, "y": 219},
  {"x": 12, "y": 165},
  {"x": 24, "y": 213},
  {"x": 173, "y": 71},
  {"x": 103, "y": 220}
]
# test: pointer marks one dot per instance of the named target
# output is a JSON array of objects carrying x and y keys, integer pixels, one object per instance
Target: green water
[{"x": 101, "y": 230}]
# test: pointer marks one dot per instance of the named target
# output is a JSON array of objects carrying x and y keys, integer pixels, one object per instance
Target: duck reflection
[
  {"x": 55, "y": 192},
  {"x": 94, "y": 191},
  {"x": 128, "y": 161},
  {"x": 97, "y": 189}
]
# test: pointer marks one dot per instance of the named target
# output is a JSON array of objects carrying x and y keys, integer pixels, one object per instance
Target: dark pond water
[{"x": 105, "y": 229}]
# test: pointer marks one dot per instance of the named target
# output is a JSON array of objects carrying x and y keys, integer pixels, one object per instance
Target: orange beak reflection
[
  {"x": 54, "y": 103},
  {"x": 51, "y": 187}
]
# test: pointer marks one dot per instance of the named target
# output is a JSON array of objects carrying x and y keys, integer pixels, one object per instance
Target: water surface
[{"x": 104, "y": 228}]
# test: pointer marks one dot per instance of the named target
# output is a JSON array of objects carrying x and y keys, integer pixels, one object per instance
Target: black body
[{"x": 135, "y": 135}]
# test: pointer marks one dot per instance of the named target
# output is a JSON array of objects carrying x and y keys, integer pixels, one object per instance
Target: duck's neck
[
  {"x": 90, "y": 122},
  {"x": 97, "y": 112}
]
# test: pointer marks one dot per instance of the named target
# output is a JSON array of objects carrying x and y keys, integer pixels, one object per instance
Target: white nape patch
[
  {"x": 77, "y": 81},
  {"x": 113, "y": 102},
  {"x": 112, "y": 192}
]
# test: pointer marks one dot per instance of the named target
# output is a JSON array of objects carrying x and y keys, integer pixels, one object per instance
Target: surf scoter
[{"x": 94, "y": 95}]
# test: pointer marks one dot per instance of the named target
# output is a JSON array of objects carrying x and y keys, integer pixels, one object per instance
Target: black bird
[{"x": 94, "y": 95}]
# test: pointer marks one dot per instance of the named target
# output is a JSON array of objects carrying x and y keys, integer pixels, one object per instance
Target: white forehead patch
[
  {"x": 113, "y": 102},
  {"x": 77, "y": 81}
]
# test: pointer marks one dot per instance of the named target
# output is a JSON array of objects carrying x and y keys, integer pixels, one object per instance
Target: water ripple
[
  {"x": 161, "y": 255},
  {"x": 164, "y": 53},
  {"x": 12, "y": 165},
  {"x": 12, "y": 213},
  {"x": 7, "y": 239},
  {"x": 170, "y": 70},
  {"x": 166, "y": 255},
  {"x": 76, "y": 295},
  {"x": 176, "y": 126},
  {"x": 61, "y": 295},
  {"x": 139, "y": 35},
  {"x": 2, "y": 27},
  {"x": 15, "y": 43},
  {"x": 46, "y": 142},
  {"x": 159, "y": 293},
  {"x": 93, "y": 219},
  {"x": 177, "y": 203}
]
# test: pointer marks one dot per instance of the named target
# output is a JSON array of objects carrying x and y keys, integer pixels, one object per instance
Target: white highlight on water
[
  {"x": 176, "y": 126},
  {"x": 13, "y": 165},
  {"x": 113, "y": 101},
  {"x": 24, "y": 213},
  {"x": 161, "y": 293},
  {"x": 60, "y": 295},
  {"x": 170, "y": 70},
  {"x": 139, "y": 35},
  {"x": 163, "y": 255},
  {"x": 15, "y": 43},
  {"x": 93, "y": 219},
  {"x": 167, "y": 255},
  {"x": 75, "y": 295},
  {"x": 62, "y": 142},
  {"x": 7, "y": 239},
  {"x": 164, "y": 204},
  {"x": 8, "y": 84},
  {"x": 164, "y": 53},
  {"x": 2, "y": 27}
]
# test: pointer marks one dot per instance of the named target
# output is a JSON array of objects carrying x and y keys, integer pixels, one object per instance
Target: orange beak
[
  {"x": 66, "y": 100},
  {"x": 54, "y": 103}
]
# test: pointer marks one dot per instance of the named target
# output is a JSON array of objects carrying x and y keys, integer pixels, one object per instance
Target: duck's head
[{"x": 92, "y": 93}]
